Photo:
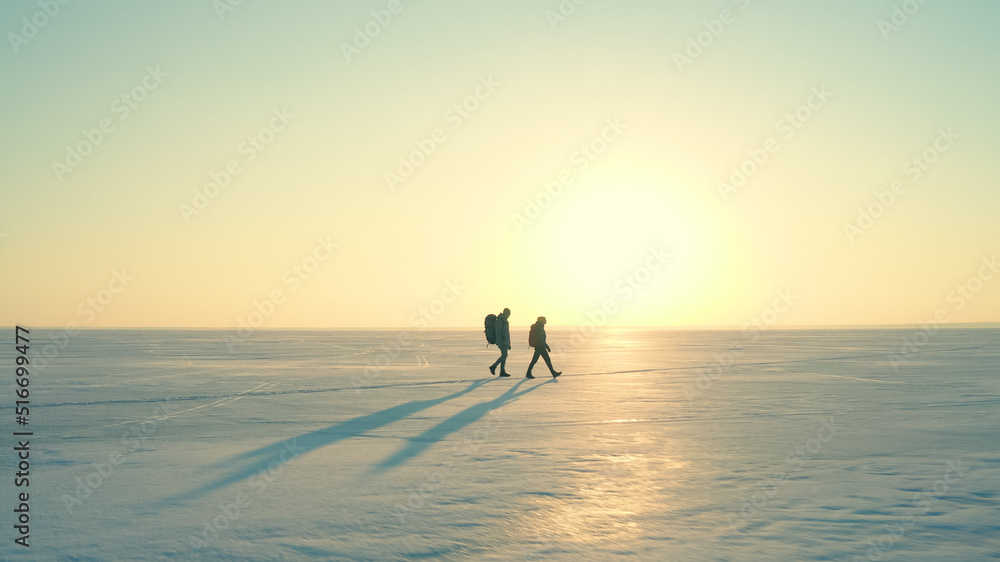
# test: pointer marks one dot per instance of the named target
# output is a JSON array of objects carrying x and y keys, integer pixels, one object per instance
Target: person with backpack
[
  {"x": 536, "y": 339},
  {"x": 502, "y": 330}
]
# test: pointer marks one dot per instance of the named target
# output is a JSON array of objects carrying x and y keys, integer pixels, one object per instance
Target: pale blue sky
[{"x": 656, "y": 185}]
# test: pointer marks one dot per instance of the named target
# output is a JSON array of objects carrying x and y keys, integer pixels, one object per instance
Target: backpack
[
  {"x": 491, "y": 329},
  {"x": 533, "y": 335}
]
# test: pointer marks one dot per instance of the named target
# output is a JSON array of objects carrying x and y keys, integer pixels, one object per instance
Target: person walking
[
  {"x": 503, "y": 342},
  {"x": 536, "y": 339}
]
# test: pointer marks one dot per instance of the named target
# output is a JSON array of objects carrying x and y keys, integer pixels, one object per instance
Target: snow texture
[{"x": 400, "y": 445}]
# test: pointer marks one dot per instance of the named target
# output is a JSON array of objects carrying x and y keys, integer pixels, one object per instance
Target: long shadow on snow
[
  {"x": 418, "y": 444},
  {"x": 275, "y": 454}
]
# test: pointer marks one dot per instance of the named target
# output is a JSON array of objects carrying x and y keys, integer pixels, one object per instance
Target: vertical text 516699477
[{"x": 21, "y": 449}]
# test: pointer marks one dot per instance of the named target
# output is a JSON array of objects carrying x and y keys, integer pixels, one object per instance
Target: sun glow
[{"x": 622, "y": 239}]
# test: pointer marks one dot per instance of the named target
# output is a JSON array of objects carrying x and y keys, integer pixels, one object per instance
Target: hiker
[
  {"x": 503, "y": 342},
  {"x": 536, "y": 339}
]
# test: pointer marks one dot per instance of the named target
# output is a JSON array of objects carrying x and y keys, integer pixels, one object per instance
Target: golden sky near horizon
[{"x": 400, "y": 163}]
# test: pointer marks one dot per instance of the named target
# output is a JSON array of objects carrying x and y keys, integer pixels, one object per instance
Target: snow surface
[{"x": 654, "y": 445}]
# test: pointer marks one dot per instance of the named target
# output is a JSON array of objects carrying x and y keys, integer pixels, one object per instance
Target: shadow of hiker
[
  {"x": 272, "y": 456},
  {"x": 421, "y": 442}
]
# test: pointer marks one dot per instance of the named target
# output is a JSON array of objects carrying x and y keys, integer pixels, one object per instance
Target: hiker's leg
[
  {"x": 503, "y": 360},
  {"x": 545, "y": 355},
  {"x": 534, "y": 359}
]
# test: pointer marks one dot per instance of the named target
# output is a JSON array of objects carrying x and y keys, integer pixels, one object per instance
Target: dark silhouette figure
[
  {"x": 536, "y": 339},
  {"x": 503, "y": 342}
]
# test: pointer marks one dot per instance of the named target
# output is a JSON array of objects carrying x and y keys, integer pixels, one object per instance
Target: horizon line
[{"x": 979, "y": 325}]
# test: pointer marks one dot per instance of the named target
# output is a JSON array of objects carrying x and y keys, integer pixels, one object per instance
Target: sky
[{"x": 418, "y": 163}]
